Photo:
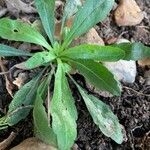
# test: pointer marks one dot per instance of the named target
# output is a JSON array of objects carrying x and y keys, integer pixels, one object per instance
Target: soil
[{"x": 132, "y": 108}]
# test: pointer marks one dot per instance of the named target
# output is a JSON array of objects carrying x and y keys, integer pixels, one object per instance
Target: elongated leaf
[
  {"x": 20, "y": 106},
  {"x": 19, "y": 31},
  {"x": 102, "y": 116},
  {"x": 134, "y": 51},
  {"x": 94, "y": 52},
  {"x": 98, "y": 75},
  {"x": 70, "y": 9},
  {"x": 92, "y": 12},
  {"x": 10, "y": 51},
  {"x": 42, "y": 130},
  {"x": 63, "y": 112},
  {"x": 39, "y": 59},
  {"x": 46, "y": 11}
]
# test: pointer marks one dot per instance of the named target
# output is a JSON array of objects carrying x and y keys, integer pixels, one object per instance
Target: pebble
[
  {"x": 144, "y": 62},
  {"x": 20, "y": 79},
  {"x": 90, "y": 37},
  {"x": 128, "y": 13},
  {"x": 17, "y": 6},
  {"x": 33, "y": 144},
  {"x": 147, "y": 77}
]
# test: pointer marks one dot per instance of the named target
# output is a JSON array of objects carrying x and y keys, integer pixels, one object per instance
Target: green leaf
[
  {"x": 134, "y": 51},
  {"x": 97, "y": 75},
  {"x": 17, "y": 30},
  {"x": 102, "y": 116},
  {"x": 42, "y": 130},
  {"x": 94, "y": 52},
  {"x": 67, "y": 68},
  {"x": 92, "y": 12},
  {"x": 63, "y": 111},
  {"x": 20, "y": 106},
  {"x": 39, "y": 59},
  {"x": 46, "y": 11},
  {"x": 10, "y": 51},
  {"x": 70, "y": 9}
]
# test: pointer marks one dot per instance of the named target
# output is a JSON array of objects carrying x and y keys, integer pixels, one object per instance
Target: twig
[
  {"x": 8, "y": 84},
  {"x": 137, "y": 127},
  {"x": 138, "y": 93},
  {"x": 7, "y": 142},
  {"x": 48, "y": 104},
  {"x": 146, "y": 27},
  {"x": 2, "y": 73},
  {"x": 132, "y": 140},
  {"x": 48, "y": 95}
]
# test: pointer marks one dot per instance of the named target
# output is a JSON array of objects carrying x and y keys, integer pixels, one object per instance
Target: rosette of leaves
[{"x": 55, "y": 124}]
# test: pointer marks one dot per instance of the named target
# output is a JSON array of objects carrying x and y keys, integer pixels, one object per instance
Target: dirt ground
[{"x": 132, "y": 108}]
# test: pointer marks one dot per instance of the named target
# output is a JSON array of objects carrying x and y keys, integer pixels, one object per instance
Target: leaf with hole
[
  {"x": 39, "y": 59},
  {"x": 63, "y": 112},
  {"x": 17, "y": 30}
]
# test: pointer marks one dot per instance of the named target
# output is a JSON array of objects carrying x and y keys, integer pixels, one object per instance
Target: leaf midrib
[
  {"x": 71, "y": 35},
  {"x": 47, "y": 20},
  {"x": 96, "y": 76},
  {"x": 101, "y": 56}
]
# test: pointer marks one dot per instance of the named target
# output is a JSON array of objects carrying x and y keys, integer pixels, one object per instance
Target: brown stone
[
  {"x": 144, "y": 62},
  {"x": 128, "y": 13},
  {"x": 90, "y": 37},
  {"x": 33, "y": 144}
]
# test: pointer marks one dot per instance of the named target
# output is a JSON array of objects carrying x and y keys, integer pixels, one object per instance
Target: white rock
[
  {"x": 123, "y": 70},
  {"x": 128, "y": 13}
]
